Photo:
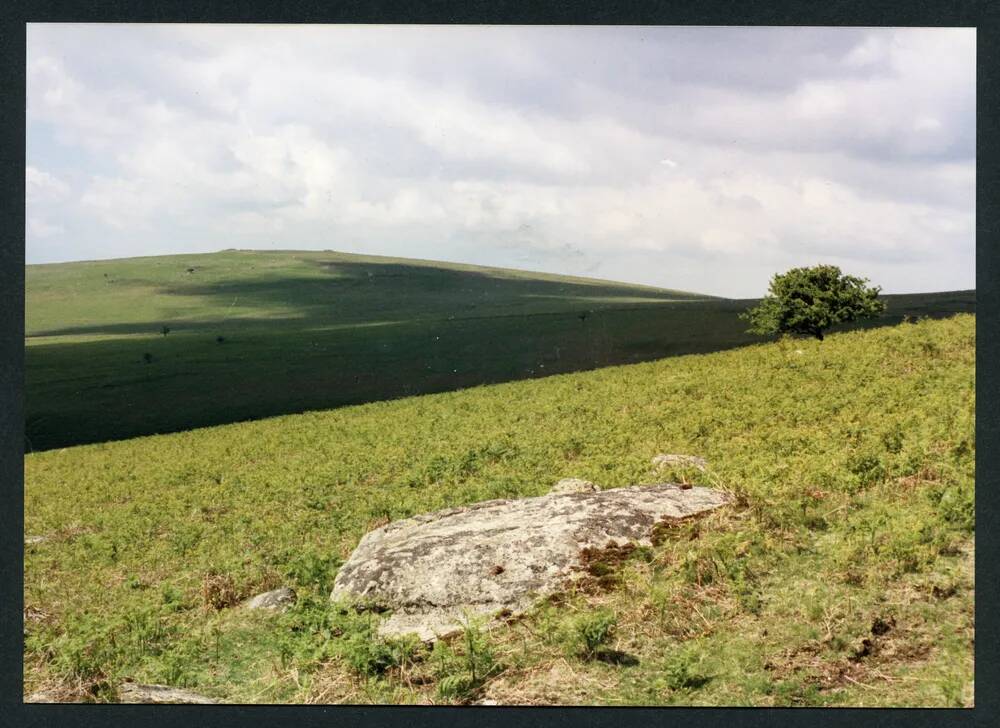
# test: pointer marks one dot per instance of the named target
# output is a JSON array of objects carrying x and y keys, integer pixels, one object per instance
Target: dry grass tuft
[{"x": 218, "y": 591}]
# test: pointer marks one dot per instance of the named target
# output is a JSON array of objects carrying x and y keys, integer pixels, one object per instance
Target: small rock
[
  {"x": 487, "y": 702},
  {"x": 692, "y": 461},
  {"x": 31, "y": 540},
  {"x": 574, "y": 485},
  {"x": 136, "y": 693},
  {"x": 276, "y": 599},
  {"x": 43, "y": 696}
]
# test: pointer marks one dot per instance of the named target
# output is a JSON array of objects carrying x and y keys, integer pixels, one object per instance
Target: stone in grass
[
  {"x": 499, "y": 557},
  {"x": 280, "y": 598},
  {"x": 32, "y": 540},
  {"x": 44, "y": 696},
  {"x": 135, "y": 693},
  {"x": 574, "y": 485},
  {"x": 692, "y": 461}
]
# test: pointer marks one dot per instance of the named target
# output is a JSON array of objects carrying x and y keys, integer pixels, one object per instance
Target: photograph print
[{"x": 500, "y": 365}]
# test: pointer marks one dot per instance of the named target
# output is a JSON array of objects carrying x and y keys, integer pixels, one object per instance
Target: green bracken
[
  {"x": 592, "y": 630},
  {"x": 842, "y": 573},
  {"x": 258, "y": 334}
]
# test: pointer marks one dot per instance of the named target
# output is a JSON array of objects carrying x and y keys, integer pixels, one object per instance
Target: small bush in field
[
  {"x": 369, "y": 655},
  {"x": 808, "y": 301},
  {"x": 682, "y": 670},
  {"x": 218, "y": 591},
  {"x": 594, "y": 630},
  {"x": 462, "y": 669}
]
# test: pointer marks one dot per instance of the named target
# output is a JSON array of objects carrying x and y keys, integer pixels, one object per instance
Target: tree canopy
[{"x": 808, "y": 301}]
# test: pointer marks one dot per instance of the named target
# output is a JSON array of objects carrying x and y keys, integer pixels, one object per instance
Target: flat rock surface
[
  {"x": 136, "y": 693},
  {"x": 44, "y": 696},
  {"x": 689, "y": 461},
  {"x": 433, "y": 570},
  {"x": 574, "y": 485},
  {"x": 279, "y": 598}
]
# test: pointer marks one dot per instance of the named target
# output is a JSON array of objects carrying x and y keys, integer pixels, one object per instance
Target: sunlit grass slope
[
  {"x": 255, "y": 334},
  {"x": 842, "y": 575}
]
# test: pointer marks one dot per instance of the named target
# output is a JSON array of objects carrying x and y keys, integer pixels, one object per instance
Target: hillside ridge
[
  {"x": 373, "y": 258},
  {"x": 128, "y": 347}
]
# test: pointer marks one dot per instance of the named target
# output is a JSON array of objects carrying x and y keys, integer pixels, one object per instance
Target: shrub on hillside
[
  {"x": 463, "y": 668},
  {"x": 808, "y": 301}
]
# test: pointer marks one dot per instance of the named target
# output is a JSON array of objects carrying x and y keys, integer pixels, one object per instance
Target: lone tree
[{"x": 808, "y": 301}]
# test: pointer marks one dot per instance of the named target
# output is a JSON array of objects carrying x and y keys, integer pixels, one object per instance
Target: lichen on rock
[
  {"x": 574, "y": 485},
  {"x": 691, "y": 461},
  {"x": 130, "y": 692},
  {"x": 280, "y": 598},
  {"x": 434, "y": 570}
]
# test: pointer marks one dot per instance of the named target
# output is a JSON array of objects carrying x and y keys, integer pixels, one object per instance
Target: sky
[{"x": 697, "y": 158}]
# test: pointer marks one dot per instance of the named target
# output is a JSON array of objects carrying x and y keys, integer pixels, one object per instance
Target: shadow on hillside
[
  {"x": 352, "y": 292},
  {"x": 107, "y": 389}
]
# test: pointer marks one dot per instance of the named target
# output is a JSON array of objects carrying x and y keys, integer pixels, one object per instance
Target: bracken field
[
  {"x": 841, "y": 575},
  {"x": 142, "y": 346}
]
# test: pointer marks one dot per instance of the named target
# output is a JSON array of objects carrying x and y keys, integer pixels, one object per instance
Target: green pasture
[
  {"x": 841, "y": 575},
  {"x": 257, "y": 334}
]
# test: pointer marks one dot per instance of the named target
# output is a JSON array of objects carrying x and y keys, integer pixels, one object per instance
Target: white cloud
[
  {"x": 38, "y": 227},
  {"x": 43, "y": 191},
  {"x": 487, "y": 143},
  {"x": 41, "y": 184},
  {"x": 119, "y": 203}
]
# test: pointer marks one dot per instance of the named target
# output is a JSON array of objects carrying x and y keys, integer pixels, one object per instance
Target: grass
[
  {"x": 841, "y": 576},
  {"x": 123, "y": 348}
]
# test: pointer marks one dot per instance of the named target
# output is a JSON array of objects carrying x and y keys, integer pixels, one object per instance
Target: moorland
[
  {"x": 122, "y": 348},
  {"x": 842, "y": 574}
]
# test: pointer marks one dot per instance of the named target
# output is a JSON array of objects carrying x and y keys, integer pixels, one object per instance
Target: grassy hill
[
  {"x": 843, "y": 574},
  {"x": 256, "y": 334}
]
